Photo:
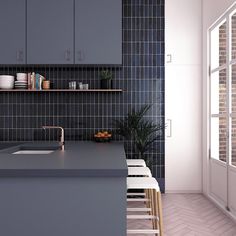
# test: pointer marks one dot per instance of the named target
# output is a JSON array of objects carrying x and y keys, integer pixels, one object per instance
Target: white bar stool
[
  {"x": 136, "y": 162},
  {"x": 139, "y": 171},
  {"x": 155, "y": 207}
]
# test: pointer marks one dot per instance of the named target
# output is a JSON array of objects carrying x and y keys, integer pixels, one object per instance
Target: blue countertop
[{"x": 80, "y": 159}]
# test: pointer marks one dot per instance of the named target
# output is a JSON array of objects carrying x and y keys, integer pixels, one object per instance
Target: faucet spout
[{"x": 62, "y": 138}]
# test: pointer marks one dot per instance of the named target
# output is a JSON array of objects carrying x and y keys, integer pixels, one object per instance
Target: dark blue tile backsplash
[{"x": 82, "y": 114}]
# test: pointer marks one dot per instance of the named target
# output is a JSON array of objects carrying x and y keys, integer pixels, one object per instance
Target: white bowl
[
  {"x": 21, "y": 76},
  {"x": 7, "y": 81}
]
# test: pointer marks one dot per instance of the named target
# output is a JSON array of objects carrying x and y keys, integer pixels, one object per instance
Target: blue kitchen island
[{"x": 81, "y": 191}]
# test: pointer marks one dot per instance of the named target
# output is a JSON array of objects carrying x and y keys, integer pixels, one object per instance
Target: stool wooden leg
[
  {"x": 160, "y": 213},
  {"x": 148, "y": 197},
  {"x": 155, "y": 208},
  {"x": 152, "y": 206}
]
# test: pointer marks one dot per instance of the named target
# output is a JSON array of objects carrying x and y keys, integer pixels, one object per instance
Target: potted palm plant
[
  {"x": 142, "y": 132},
  {"x": 106, "y": 79}
]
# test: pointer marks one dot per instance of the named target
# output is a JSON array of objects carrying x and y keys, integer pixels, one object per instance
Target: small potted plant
[{"x": 106, "y": 79}]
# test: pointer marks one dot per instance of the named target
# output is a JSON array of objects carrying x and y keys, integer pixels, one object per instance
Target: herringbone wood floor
[{"x": 189, "y": 215}]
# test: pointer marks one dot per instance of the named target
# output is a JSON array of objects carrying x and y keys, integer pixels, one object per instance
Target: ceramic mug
[{"x": 85, "y": 86}]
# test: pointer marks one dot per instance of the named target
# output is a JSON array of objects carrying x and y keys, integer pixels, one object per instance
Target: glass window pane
[
  {"x": 233, "y": 89},
  {"x": 233, "y": 36},
  {"x": 233, "y": 141},
  {"x": 218, "y": 46},
  {"x": 233, "y": 118},
  {"x": 218, "y": 138},
  {"x": 218, "y": 92}
]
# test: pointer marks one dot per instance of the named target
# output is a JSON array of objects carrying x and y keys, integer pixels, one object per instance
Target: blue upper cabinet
[
  {"x": 98, "y": 32},
  {"x": 50, "y": 31},
  {"x": 84, "y": 32},
  {"x": 13, "y": 31}
]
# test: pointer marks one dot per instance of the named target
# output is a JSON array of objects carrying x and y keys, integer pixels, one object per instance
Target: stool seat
[
  {"x": 136, "y": 162},
  {"x": 140, "y": 171},
  {"x": 142, "y": 183}
]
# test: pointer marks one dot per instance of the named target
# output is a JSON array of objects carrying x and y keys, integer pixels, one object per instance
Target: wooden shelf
[{"x": 61, "y": 90}]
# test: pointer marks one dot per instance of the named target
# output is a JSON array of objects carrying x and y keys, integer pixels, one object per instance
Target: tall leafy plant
[
  {"x": 128, "y": 125},
  {"x": 142, "y": 132}
]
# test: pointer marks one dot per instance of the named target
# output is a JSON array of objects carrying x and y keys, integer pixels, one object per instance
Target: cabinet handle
[
  {"x": 67, "y": 55},
  {"x": 169, "y": 58},
  {"x": 169, "y": 128},
  {"x": 83, "y": 56},
  {"x": 79, "y": 55},
  {"x": 19, "y": 55}
]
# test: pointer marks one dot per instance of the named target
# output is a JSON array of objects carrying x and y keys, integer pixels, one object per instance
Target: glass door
[
  {"x": 232, "y": 110},
  {"x": 218, "y": 113},
  {"x": 222, "y": 119}
]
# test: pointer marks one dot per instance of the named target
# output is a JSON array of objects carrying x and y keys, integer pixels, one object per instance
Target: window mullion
[{"x": 228, "y": 98}]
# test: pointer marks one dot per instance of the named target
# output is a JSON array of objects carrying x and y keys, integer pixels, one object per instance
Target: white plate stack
[{"x": 22, "y": 81}]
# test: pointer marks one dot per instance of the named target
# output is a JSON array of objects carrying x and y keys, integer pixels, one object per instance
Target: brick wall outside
[
  {"x": 233, "y": 91},
  {"x": 222, "y": 93}
]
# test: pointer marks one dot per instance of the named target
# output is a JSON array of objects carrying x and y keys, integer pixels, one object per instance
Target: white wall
[
  {"x": 183, "y": 95},
  {"x": 187, "y": 22},
  {"x": 212, "y": 10}
]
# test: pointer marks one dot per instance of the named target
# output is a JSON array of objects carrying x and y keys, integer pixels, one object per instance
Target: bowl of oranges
[{"x": 102, "y": 136}]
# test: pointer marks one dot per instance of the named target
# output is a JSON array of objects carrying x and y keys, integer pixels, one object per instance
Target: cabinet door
[
  {"x": 13, "y": 31},
  {"x": 183, "y": 116},
  {"x": 98, "y": 32},
  {"x": 183, "y": 31},
  {"x": 50, "y": 32}
]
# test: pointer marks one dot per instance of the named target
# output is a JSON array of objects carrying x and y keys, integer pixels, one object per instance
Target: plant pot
[{"x": 106, "y": 84}]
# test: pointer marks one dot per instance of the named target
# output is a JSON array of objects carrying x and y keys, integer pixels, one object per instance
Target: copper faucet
[{"x": 62, "y": 141}]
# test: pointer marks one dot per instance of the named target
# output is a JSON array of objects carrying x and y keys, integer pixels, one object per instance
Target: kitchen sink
[
  {"x": 32, "y": 149},
  {"x": 34, "y": 152}
]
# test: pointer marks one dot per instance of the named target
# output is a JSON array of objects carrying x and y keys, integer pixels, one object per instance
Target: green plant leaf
[{"x": 106, "y": 74}]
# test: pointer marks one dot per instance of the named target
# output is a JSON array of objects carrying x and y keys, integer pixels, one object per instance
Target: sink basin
[
  {"x": 32, "y": 149},
  {"x": 33, "y": 152}
]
